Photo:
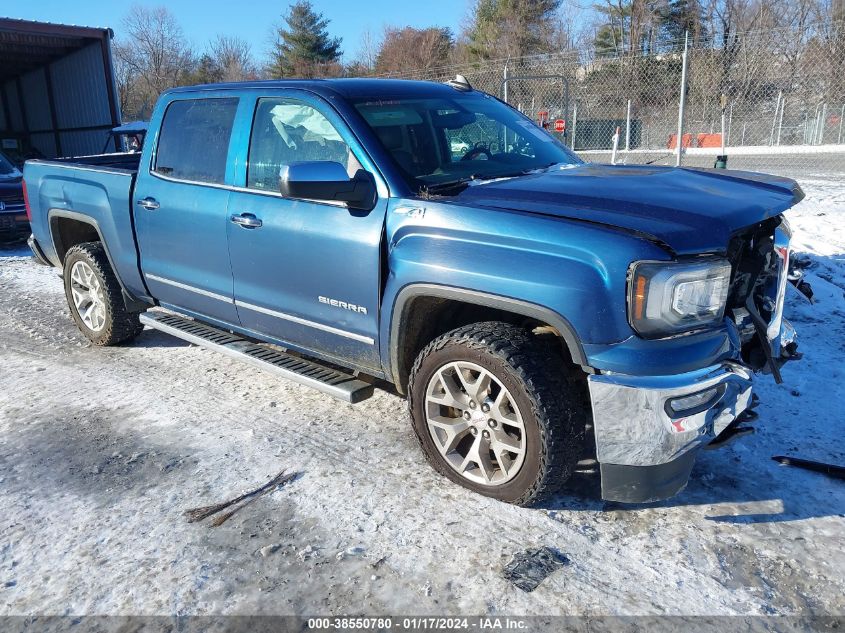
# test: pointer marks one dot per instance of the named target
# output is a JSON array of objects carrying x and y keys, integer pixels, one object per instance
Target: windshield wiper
[
  {"x": 462, "y": 183},
  {"x": 541, "y": 167},
  {"x": 448, "y": 185}
]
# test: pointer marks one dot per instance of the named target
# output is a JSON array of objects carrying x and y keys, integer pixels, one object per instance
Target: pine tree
[
  {"x": 682, "y": 16},
  {"x": 304, "y": 44},
  {"x": 207, "y": 71},
  {"x": 511, "y": 28},
  {"x": 610, "y": 38}
]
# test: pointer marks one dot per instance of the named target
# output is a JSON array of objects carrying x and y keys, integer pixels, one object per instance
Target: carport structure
[{"x": 57, "y": 88}]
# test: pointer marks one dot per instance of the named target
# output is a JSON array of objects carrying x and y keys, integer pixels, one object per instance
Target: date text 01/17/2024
[{"x": 419, "y": 623}]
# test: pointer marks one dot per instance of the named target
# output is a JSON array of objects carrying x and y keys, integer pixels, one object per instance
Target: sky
[{"x": 250, "y": 19}]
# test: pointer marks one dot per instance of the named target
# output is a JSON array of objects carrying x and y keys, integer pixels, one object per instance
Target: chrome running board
[{"x": 310, "y": 373}]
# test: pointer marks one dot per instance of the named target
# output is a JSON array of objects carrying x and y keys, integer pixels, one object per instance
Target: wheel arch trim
[
  {"x": 131, "y": 301},
  {"x": 57, "y": 214},
  {"x": 485, "y": 299}
]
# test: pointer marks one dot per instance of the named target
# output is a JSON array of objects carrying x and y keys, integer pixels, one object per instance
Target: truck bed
[
  {"x": 128, "y": 161},
  {"x": 92, "y": 191}
]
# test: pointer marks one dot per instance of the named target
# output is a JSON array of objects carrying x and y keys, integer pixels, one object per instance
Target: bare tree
[
  {"x": 410, "y": 48},
  {"x": 152, "y": 55},
  {"x": 368, "y": 50},
  {"x": 570, "y": 30},
  {"x": 233, "y": 56},
  {"x": 127, "y": 94}
]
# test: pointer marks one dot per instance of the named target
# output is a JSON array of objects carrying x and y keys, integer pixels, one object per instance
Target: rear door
[
  {"x": 181, "y": 199},
  {"x": 306, "y": 272}
]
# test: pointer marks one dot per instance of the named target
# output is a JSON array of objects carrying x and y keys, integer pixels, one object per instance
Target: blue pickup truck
[{"x": 537, "y": 311}]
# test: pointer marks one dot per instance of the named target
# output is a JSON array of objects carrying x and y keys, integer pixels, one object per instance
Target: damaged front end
[
  {"x": 760, "y": 259},
  {"x": 648, "y": 429}
]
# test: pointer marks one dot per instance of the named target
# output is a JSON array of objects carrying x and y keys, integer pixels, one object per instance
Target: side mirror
[{"x": 327, "y": 181}]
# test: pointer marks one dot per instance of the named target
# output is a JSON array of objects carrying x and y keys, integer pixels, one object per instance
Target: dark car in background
[{"x": 14, "y": 223}]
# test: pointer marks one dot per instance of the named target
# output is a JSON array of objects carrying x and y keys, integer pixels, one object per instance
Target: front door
[
  {"x": 306, "y": 273},
  {"x": 181, "y": 202}
]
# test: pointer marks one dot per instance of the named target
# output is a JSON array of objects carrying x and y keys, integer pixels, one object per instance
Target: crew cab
[{"x": 536, "y": 310}]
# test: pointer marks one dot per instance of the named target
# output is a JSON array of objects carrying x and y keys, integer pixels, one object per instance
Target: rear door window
[{"x": 194, "y": 140}]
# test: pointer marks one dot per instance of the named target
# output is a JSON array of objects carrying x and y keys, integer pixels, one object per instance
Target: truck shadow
[
  {"x": 16, "y": 248},
  {"x": 151, "y": 338},
  {"x": 745, "y": 487},
  {"x": 94, "y": 452}
]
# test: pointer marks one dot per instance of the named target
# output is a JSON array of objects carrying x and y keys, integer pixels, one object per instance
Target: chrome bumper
[
  {"x": 634, "y": 425},
  {"x": 639, "y": 435},
  {"x": 647, "y": 436}
]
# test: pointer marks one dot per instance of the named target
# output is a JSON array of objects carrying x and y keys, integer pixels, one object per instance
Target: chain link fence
[{"x": 783, "y": 92}]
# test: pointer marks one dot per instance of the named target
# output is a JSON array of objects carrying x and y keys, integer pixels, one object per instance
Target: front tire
[
  {"x": 94, "y": 297},
  {"x": 494, "y": 412}
]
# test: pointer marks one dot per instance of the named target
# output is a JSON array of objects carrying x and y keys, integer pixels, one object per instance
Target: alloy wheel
[
  {"x": 88, "y": 299},
  {"x": 475, "y": 423}
]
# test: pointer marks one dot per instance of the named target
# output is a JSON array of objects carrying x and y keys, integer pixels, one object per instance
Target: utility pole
[
  {"x": 722, "y": 159},
  {"x": 615, "y": 146},
  {"x": 683, "y": 101},
  {"x": 775, "y": 118},
  {"x": 505, "y": 97}
]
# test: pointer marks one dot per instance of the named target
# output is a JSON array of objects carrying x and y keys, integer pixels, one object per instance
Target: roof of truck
[{"x": 348, "y": 88}]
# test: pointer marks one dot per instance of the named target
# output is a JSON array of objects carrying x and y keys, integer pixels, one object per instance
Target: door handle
[
  {"x": 150, "y": 204},
  {"x": 246, "y": 220}
]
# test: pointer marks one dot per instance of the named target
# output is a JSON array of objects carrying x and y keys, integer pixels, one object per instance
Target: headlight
[{"x": 669, "y": 297}]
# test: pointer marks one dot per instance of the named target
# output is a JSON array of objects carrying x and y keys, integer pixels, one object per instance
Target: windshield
[{"x": 437, "y": 142}]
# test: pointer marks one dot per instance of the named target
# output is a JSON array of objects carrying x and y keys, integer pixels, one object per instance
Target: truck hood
[{"x": 688, "y": 210}]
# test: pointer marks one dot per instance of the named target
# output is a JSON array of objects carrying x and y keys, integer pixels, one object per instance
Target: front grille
[
  {"x": 11, "y": 197},
  {"x": 759, "y": 258},
  {"x": 753, "y": 258}
]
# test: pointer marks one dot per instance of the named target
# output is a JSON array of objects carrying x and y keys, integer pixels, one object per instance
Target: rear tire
[
  {"x": 494, "y": 412},
  {"x": 94, "y": 297}
]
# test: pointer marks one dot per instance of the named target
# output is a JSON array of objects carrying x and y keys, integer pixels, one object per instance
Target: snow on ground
[{"x": 101, "y": 450}]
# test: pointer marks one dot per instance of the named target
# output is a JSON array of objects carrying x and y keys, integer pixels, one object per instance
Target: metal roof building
[{"x": 57, "y": 88}]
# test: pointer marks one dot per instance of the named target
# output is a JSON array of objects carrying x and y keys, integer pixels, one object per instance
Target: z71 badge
[{"x": 343, "y": 304}]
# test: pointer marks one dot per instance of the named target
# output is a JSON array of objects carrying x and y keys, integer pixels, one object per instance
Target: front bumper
[
  {"x": 14, "y": 225},
  {"x": 645, "y": 449}
]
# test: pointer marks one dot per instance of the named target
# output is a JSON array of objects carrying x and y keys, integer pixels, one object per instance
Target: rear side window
[
  {"x": 286, "y": 131},
  {"x": 194, "y": 139}
]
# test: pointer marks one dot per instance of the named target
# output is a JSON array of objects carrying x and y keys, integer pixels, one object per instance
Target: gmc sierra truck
[{"x": 348, "y": 233}]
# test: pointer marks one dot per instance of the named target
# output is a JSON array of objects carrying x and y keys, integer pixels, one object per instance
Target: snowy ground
[{"x": 101, "y": 450}]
